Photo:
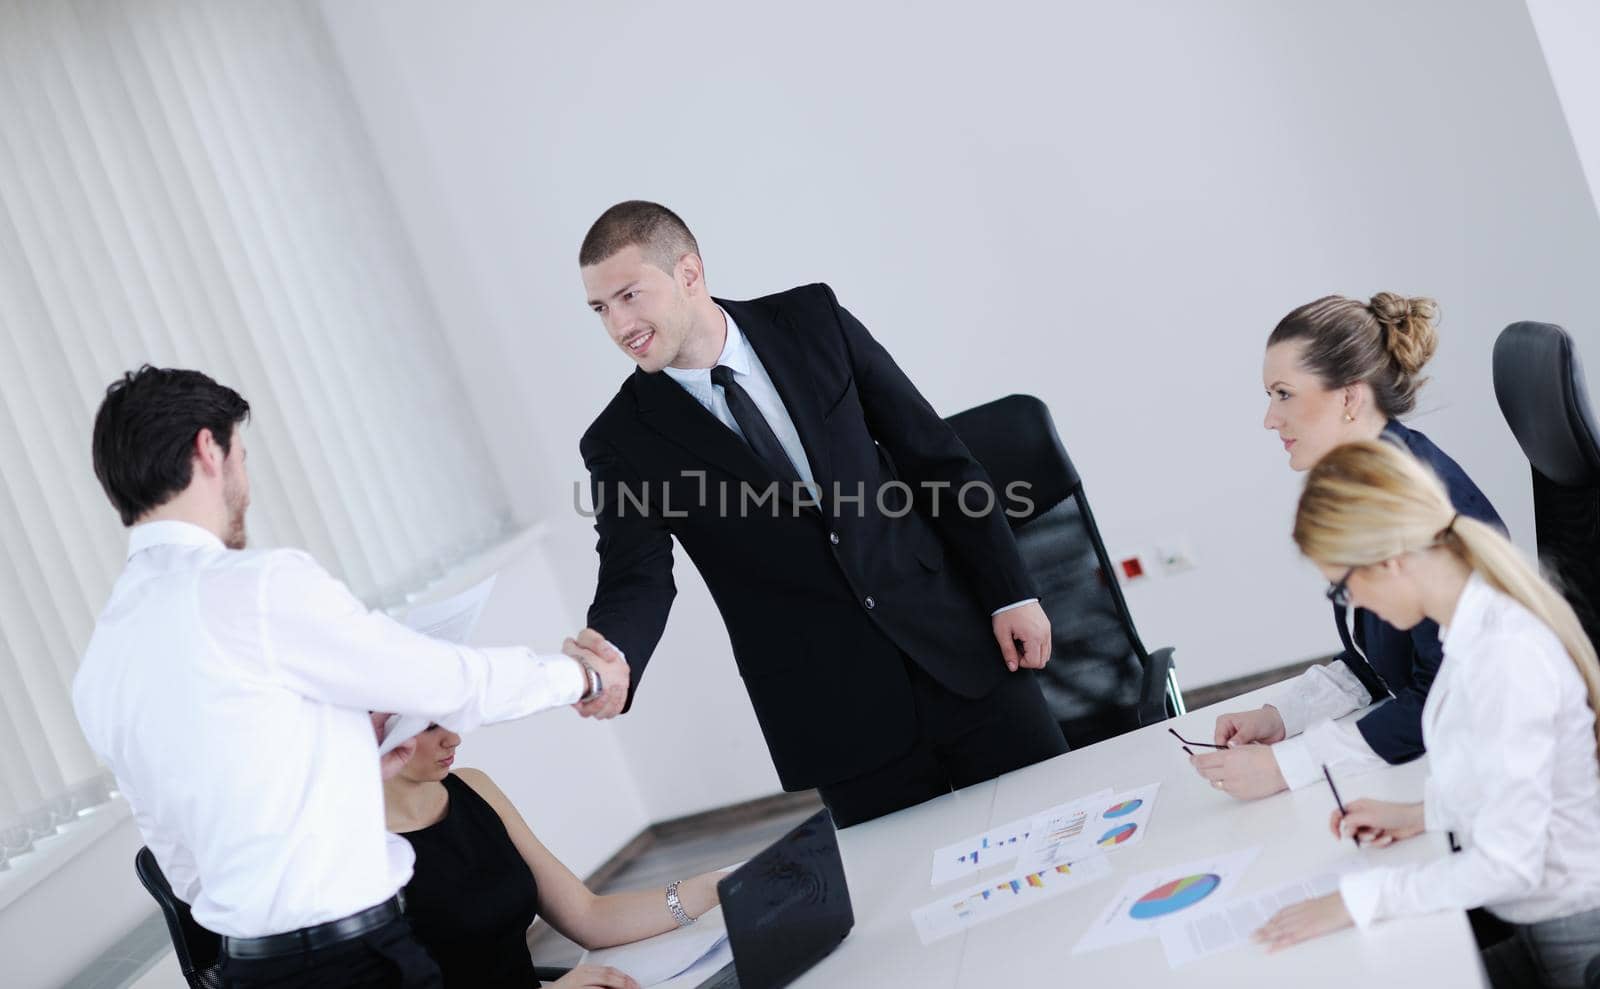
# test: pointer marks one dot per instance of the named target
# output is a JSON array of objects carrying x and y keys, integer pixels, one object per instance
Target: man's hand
[
  {"x": 1304, "y": 921},
  {"x": 1378, "y": 822},
  {"x": 1264, "y": 724},
  {"x": 391, "y": 762},
  {"x": 591, "y": 647},
  {"x": 1247, "y": 772},
  {"x": 1024, "y": 637}
]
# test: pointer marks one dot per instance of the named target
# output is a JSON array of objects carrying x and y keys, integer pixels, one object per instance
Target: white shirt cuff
[
  {"x": 1339, "y": 745},
  {"x": 1295, "y": 762},
  {"x": 1010, "y": 606},
  {"x": 568, "y": 681},
  {"x": 1361, "y": 892}
]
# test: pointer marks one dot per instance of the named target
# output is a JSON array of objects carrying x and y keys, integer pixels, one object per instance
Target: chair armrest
[
  {"x": 548, "y": 973},
  {"x": 1153, "y": 693}
]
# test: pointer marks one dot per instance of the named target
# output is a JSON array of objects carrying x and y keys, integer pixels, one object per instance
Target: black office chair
[
  {"x": 1538, "y": 380},
  {"x": 199, "y": 950},
  {"x": 1100, "y": 680}
]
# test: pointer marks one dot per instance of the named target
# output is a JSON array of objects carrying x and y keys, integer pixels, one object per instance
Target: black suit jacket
[
  {"x": 821, "y": 605},
  {"x": 1407, "y": 660}
]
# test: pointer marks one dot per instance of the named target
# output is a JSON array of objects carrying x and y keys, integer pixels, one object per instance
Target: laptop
[{"x": 786, "y": 909}]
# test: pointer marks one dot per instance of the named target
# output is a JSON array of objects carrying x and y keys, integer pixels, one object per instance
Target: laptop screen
[{"x": 787, "y": 907}]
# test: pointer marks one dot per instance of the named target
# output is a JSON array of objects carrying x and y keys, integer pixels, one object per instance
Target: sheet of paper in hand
[{"x": 452, "y": 620}]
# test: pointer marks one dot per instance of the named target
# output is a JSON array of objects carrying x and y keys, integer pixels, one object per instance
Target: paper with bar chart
[
  {"x": 964, "y": 858},
  {"x": 1106, "y": 823},
  {"x": 996, "y": 846},
  {"x": 998, "y": 897},
  {"x": 1154, "y": 899}
]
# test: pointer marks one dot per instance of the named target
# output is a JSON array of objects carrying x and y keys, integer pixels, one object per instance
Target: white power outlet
[{"x": 1176, "y": 557}]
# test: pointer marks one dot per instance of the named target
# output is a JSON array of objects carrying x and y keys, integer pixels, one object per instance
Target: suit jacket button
[
  {"x": 870, "y": 603},
  {"x": 833, "y": 537}
]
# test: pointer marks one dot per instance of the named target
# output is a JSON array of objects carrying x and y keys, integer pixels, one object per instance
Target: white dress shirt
[
  {"x": 752, "y": 376},
  {"x": 1512, "y": 771},
  {"x": 1314, "y": 698},
  {"x": 229, "y": 692}
]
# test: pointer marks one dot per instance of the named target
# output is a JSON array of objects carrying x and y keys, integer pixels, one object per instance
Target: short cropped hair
[
  {"x": 144, "y": 434},
  {"x": 660, "y": 234}
]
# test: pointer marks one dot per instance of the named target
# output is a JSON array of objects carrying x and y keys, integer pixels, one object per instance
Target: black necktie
[{"x": 754, "y": 425}]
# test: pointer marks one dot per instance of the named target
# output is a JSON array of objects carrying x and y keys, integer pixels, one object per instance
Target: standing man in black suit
[{"x": 878, "y": 609}]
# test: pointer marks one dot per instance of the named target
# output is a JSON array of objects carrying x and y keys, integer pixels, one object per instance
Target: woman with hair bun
[
  {"x": 1509, "y": 724},
  {"x": 1339, "y": 370}
]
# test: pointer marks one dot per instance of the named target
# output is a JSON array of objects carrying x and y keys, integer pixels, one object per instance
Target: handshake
[{"x": 592, "y": 650}]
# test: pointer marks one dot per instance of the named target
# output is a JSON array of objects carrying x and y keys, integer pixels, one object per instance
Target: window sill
[{"x": 50, "y": 854}]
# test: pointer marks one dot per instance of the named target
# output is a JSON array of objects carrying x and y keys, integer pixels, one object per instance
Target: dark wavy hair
[{"x": 144, "y": 434}]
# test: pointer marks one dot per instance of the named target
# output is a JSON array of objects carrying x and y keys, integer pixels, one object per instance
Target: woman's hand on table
[{"x": 1303, "y": 921}]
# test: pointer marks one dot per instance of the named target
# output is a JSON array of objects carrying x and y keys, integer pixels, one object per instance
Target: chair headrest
[
  {"x": 1015, "y": 439},
  {"x": 1539, "y": 383}
]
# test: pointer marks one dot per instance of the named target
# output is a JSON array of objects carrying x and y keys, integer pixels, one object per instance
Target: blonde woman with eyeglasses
[{"x": 1509, "y": 722}]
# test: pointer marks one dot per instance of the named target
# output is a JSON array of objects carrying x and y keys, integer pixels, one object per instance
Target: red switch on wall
[{"x": 1132, "y": 569}]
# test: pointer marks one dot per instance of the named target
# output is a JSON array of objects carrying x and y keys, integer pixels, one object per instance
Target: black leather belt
[{"x": 316, "y": 936}]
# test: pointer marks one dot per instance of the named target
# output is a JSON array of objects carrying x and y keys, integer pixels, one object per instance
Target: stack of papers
[
  {"x": 1057, "y": 850},
  {"x": 702, "y": 945}
]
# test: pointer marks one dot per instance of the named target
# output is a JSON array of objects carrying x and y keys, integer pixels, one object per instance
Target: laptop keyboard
[{"x": 726, "y": 978}]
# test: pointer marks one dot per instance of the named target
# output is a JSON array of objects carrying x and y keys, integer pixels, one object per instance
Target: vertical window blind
[{"x": 189, "y": 184}]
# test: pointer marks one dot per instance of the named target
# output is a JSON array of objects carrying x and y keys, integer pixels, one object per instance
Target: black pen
[{"x": 1329, "y": 777}]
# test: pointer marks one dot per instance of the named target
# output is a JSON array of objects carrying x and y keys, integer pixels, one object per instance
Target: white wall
[
  {"x": 68, "y": 920},
  {"x": 1108, "y": 205},
  {"x": 1569, "y": 34}
]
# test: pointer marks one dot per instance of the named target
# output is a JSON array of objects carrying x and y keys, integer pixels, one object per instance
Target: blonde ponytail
[
  {"x": 1499, "y": 562},
  {"x": 1367, "y": 502}
]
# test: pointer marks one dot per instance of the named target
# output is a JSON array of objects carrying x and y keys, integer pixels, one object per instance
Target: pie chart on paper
[
  {"x": 1117, "y": 835},
  {"x": 1179, "y": 894},
  {"x": 1123, "y": 809}
]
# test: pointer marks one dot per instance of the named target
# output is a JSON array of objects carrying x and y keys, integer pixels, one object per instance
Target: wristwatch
[
  {"x": 594, "y": 686},
  {"x": 675, "y": 905}
]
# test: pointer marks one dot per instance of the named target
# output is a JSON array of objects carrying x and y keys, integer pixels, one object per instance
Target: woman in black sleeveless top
[
  {"x": 471, "y": 898},
  {"x": 481, "y": 877}
]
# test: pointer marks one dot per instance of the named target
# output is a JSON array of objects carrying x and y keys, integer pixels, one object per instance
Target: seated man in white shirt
[{"x": 229, "y": 690}]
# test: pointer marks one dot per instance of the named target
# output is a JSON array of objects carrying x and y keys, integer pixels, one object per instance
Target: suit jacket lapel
[
  {"x": 782, "y": 355},
  {"x": 669, "y": 410}
]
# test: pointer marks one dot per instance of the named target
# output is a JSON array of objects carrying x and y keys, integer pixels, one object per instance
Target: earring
[{"x": 1349, "y": 418}]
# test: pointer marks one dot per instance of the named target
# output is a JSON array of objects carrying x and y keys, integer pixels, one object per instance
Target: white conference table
[{"x": 887, "y": 865}]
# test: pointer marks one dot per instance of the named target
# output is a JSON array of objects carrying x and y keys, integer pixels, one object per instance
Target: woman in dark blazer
[{"x": 1339, "y": 370}]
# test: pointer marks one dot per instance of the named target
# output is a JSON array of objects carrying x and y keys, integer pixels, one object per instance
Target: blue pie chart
[
  {"x": 1124, "y": 808},
  {"x": 1179, "y": 894}
]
